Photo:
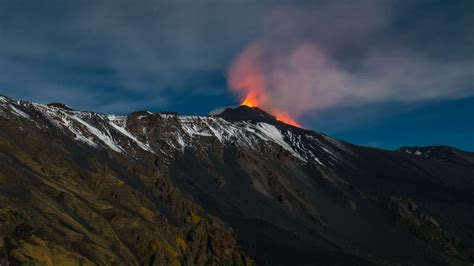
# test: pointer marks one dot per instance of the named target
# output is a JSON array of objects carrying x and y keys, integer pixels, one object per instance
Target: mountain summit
[
  {"x": 239, "y": 188},
  {"x": 246, "y": 113}
]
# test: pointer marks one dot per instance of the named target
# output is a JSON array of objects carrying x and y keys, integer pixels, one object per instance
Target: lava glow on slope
[
  {"x": 280, "y": 116},
  {"x": 285, "y": 118}
]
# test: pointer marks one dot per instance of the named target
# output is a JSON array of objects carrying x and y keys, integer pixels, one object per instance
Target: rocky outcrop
[{"x": 427, "y": 228}]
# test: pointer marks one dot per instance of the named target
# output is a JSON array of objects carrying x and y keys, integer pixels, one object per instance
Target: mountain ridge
[{"x": 210, "y": 190}]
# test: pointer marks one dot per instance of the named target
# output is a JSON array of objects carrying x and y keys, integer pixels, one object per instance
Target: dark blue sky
[{"x": 376, "y": 73}]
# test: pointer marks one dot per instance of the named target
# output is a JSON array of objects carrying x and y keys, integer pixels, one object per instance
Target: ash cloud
[{"x": 348, "y": 53}]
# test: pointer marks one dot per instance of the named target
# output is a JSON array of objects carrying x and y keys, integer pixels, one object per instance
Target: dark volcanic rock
[
  {"x": 246, "y": 113},
  {"x": 166, "y": 189},
  {"x": 442, "y": 153},
  {"x": 60, "y": 105}
]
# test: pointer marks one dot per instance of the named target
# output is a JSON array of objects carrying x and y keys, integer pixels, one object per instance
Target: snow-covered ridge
[
  {"x": 243, "y": 133},
  {"x": 4, "y": 99},
  {"x": 114, "y": 133}
]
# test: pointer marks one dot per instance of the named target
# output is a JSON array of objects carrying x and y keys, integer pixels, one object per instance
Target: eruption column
[{"x": 246, "y": 77}]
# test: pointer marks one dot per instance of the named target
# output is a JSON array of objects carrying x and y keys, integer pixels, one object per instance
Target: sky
[{"x": 379, "y": 73}]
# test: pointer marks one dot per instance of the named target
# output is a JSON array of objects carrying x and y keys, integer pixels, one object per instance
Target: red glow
[
  {"x": 247, "y": 78},
  {"x": 285, "y": 118},
  {"x": 251, "y": 100}
]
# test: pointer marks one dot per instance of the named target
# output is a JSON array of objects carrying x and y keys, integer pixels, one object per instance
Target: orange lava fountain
[{"x": 247, "y": 78}]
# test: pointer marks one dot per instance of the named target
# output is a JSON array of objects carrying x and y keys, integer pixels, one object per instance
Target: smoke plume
[{"x": 338, "y": 55}]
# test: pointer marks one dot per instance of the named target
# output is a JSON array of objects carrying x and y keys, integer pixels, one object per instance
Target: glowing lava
[
  {"x": 285, "y": 118},
  {"x": 247, "y": 78},
  {"x": 252, "y": 101}
]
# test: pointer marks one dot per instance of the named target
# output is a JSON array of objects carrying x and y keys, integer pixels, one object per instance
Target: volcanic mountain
[{"x": 238, "y": 188}]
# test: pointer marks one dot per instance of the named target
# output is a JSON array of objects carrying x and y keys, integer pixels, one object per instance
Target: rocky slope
[{"x": 234, "y": 189}]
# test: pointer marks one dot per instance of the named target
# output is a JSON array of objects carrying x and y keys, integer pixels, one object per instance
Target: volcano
[
  {"x": 237, "y": 188},
  {"x": 247, "y": 113}
]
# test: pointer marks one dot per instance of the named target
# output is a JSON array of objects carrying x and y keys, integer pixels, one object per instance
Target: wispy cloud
[{"x": 114, "y": 49}]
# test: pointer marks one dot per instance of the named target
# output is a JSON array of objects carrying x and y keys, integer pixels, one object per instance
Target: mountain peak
[
  {"x": 60, "y": 106},
  {"x": 244, "y": 113}
]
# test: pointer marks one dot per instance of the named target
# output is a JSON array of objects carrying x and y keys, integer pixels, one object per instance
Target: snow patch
[
  {"x": 271, "y": 133},
  {"x": 180, "y": 141},
  {"x": 124, "y": 132},
  {"x": 107, "y": 140},
  {"x": 318, "y": 161},
  {"x": 19, "y": 112}
]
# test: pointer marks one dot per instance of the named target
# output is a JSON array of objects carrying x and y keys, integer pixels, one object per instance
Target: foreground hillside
[{"x": 234, "y": 189}]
